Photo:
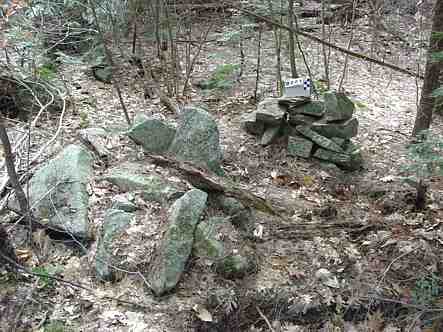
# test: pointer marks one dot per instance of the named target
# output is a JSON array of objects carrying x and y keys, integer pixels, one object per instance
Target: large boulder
[
  {"x": 58, "y": 193},
  {"x": 338, "y": 106},
  {"x": 197, "y": 140},
  {"x": 270, "y": 112},
  {"x": 115, "y": 223},
  {"x": 178, "y": 241},
  {"x": 130, "y": 177},
  {"x": 153, "y": 135}
]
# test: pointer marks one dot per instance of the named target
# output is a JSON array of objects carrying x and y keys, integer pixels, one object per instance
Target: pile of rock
[{"x": 320, "y": 129}]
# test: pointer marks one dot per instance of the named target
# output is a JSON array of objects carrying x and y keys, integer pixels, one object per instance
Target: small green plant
[
  {"x": 222, "y": 78},
  {"x": 84, "y": 120},
  {"x": 45, "y": 272},
  {"x": 56, "y": 326},
  {"x": 425, "y": 161},
  {"x": 426, "y": 290},
  {"x": 47, "y": 71},
  {"x": 320, "y": 87}
]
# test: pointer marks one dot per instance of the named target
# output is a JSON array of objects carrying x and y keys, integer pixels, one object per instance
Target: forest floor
[{"x": 378, "y": 251}]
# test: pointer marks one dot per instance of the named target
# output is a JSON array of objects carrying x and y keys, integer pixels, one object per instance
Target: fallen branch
[
  {"x": 335, "y": 47},
  {"x": 203, "y": 180}
]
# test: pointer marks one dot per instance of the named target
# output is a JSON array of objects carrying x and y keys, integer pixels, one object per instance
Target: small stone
[
  {"x": 240, "y": 216},
  {"x": 299, "y": 147},
  {"x": 322, "y": 141},
  {"x": 270, "y": 135},
  {"x": 233, "y": 266},
  {"x": 270, "y": 112}
]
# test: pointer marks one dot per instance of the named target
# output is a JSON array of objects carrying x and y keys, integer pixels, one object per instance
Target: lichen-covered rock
[
  {"x": 270, "y": 112},
  {"x": 318, "y": 139},
  {"x": 293, "y": 101},
  {"x": 338, "y": 106},
  {"x": 129, "y": 177},
  {"x": 197, "y": 140},
  {"x": 300, "y": 119},
  {"x": 234, "y": 266},
  {"x": 351, "y": 159},
  {"x": 115, "y": 223},
  {"x": 270, "y": 135},
  {"x": 314, "y": 108},
  {"x": 299, "y": 147},
  {"x": 250, "y": 124},
  {"x": 178, "y": 241},
  {"x": 205, "y": 243},
  {"x": 240, "y": 216},
  {"x": 153, "y": 135},
  {"x": 343, "y": 129},
  {"x": 58, "y": 191}
]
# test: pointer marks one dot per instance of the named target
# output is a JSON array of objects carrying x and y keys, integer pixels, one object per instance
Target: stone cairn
[{"x": 319, "y": 129}]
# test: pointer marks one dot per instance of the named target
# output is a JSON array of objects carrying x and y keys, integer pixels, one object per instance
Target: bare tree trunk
[
  {"x": 277, "y": 38},
  {"x": 425, "y": 109},
  {"x": 13, "y": 178},
  {"x": 257, "y": 77},
  {"x": 292, "y": 39},
  {"x": 323, "y": 46}
]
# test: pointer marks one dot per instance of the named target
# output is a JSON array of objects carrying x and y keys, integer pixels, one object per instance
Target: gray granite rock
[{"x": 197, "y": 140}]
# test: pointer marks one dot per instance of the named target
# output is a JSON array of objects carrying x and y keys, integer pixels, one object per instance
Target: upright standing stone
[
  {"x": 338, "y": 106},
  {"x": 178, "y": 241},
  {"x": 153, "y": 135},
  {"x": 197, "y": 140}
]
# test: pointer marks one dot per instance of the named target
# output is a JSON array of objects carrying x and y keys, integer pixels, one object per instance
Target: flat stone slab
[
  {"x": 270, "y": 135},
  {"x": 293, "y": 101},
  {"x": 301, "y": 119},
  {"x": 334, "y": 157},
  {"x": 314, "y": 108},
  {"x": 270, "y": 112},
  {"x": 318, "y": 139},
  {"x": 338, "y": 106},
  {"x": 299, "y": 146},
  {"x": 250, "y": 124},
  {"x": 343, "y": 129}
]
